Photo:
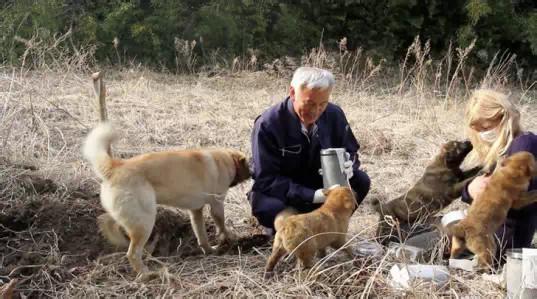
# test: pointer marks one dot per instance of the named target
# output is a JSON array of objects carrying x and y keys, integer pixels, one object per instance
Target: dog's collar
[{"x": 236, "y": 178}]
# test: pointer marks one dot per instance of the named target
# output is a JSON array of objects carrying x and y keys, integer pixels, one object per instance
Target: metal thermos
[
  {"x": 516, "y": 287},
  {"x": 332, "y": 160}
]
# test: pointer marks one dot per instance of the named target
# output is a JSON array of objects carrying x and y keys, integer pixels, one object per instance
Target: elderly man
[{"x": 286, "y": 144}]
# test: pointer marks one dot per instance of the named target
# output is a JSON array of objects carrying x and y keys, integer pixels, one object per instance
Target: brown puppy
[
  {"x": 311, "y": 233},
  {"x": 132, "y": 188},
  {"x": 505, "y": 190},
  {"x": 441, "y": 183}
]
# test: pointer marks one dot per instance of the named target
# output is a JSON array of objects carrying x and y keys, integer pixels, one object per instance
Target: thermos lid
[
  {"x": 332, "y": 151},
  {"x": 515, "y": 253}
]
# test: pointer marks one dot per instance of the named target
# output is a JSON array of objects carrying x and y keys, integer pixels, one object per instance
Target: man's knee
[
  {"x": 265, "y": 208},
  {"x": 360, "y": 183}
]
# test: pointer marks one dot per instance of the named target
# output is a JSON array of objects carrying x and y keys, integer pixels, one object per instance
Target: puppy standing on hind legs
[
  {"x": 506, "y": 189},
  {"x": 132, "y": 188}
]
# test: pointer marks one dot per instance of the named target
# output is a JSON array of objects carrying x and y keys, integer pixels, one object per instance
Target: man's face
[{"x": 309, "y": 104}]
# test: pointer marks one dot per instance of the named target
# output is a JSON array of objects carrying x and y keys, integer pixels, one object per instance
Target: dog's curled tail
[
  {"x": 111, "y": 231},
  {"x": 96, "y": 149}
]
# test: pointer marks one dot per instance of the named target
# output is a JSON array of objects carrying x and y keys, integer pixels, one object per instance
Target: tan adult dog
[
  {"x": 132, "y": 188},
  {"x": 441, "y": 183},
  {"x": 311, "y": 233},
  {"x": 505, "y": 190}
]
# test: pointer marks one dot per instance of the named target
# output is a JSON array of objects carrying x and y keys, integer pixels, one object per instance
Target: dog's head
[
  {"x": 242, "y": 169},
  {"x": 454, "y": 152},
  {"x": 519, "y": 165},
  {"x": 340, "y": 200}
]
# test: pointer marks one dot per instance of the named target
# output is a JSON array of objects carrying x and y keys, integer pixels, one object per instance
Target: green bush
[{"x": 147, "y": 30}]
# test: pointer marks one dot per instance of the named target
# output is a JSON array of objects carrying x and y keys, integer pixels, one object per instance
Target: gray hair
[{"x": 312, "y": 77}]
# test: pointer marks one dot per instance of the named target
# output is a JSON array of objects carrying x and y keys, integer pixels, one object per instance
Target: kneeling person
[{"x": 286, "y": 143}]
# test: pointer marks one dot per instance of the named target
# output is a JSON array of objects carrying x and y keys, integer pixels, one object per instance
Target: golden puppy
[
  {"x": 505, "y": 190},
  {"x": 132, "y": 188},
  {"x": 311, "y": 233},
  {"x": 441, "y": 183}
]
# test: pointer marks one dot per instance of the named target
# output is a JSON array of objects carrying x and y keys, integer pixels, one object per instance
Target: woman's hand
[{"x": 477, "y": 186}]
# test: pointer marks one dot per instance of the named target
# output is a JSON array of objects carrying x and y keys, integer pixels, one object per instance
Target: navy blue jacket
[
  {"x": 286, "y": 160},
  {"x": 522, "y": 223}
]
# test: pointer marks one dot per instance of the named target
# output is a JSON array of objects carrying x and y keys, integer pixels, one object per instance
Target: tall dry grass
[{"x": 399, "y": 117}]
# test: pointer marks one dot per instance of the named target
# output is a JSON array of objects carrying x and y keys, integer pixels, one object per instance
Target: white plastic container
[
  {"x": 406, "y": 252},
  {"x": 403, "y": 275},
  {"x": 453, "y": 217},
  {"x": 369, "y": 249}
]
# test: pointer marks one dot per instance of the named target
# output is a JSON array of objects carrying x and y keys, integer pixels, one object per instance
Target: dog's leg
[
  {"x": 138, "y": 236},
  {"x": 470, "y": 173},
  {"x": 526, "y": 198},
  {"x": 484, "y": 247},
  {"x": 321, "y": 253},
  {"x": 456, "y": 190},
  {"x": 278, "y": 251},
  {"x": 457, "y": 246},
  {"x": 385, "y": 232},
  {"x": 217, "y": 212},
  {"x": 198, "y": 225},
  {"x": 305, "y": 254},
  {"x": 339, "y": 243}
]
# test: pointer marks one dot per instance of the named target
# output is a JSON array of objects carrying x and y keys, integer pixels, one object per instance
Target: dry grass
[{"x": 44, "y": 115}]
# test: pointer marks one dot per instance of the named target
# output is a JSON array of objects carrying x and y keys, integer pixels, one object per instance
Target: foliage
[{"x": 147, "y": 30}]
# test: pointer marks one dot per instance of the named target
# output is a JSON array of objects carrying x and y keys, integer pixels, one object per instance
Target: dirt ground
[{"x": 43, "y": 236}]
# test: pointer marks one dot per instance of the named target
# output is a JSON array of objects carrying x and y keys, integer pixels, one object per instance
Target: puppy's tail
[
  {"x": 96, "y": 149},
  {"x": 280, "y": 218},
  {"x": 112, "y": 231}
]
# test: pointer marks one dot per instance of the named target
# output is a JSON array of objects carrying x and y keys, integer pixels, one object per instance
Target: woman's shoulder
[{"x": 526, "y": 141}]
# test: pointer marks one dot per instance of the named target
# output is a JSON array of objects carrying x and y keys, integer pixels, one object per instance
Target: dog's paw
[
  {"x": 268, "y": 275},
  {"x": 207, "y": 250},
  {"x": 147, "y": 276}
]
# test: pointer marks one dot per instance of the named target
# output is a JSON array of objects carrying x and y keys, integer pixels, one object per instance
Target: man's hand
[
  {"x": 477, "y": 186},
  {"x": 320, "y": 194},
  {"x": 347, "y": 166}
]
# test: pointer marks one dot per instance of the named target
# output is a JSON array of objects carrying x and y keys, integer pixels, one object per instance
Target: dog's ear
[{"x": 243, "y": 167}]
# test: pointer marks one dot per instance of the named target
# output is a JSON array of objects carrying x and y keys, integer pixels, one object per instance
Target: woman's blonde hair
[{"x": 487, "y": 104}]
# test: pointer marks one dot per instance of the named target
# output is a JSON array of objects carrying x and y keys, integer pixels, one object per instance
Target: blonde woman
[{"x": 493, "y": 126}]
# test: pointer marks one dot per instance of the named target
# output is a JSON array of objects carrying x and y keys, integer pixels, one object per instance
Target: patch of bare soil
[{"x": 46, "y": 241}]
